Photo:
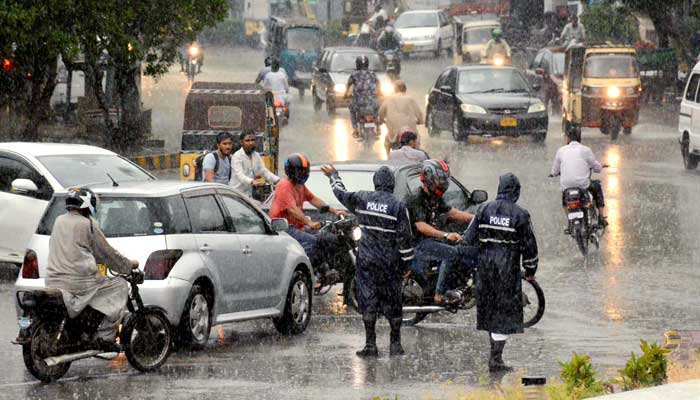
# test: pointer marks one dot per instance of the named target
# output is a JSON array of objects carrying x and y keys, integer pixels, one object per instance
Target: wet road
[{"x": 642, "y": 281}]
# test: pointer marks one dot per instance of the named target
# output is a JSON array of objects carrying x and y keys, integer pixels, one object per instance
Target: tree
[{"x": 608, "y": 21}]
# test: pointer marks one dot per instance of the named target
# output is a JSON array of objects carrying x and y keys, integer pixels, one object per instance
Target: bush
[
  {"x": 578, "y": 377},
  {"x": 649, "y": 369},
  {"x": 229, "y": 32},
  {"x": 609, "y": 22}
]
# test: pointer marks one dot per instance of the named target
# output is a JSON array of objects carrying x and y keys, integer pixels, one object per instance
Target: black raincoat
[
  {"x": 503, "y": 233},
  {"x": 386, "y": 243}
]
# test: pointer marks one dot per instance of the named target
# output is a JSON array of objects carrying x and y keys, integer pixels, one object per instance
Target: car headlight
[
  {"x": 537, "y": 107},
  {"x": 356, "y": 234},
  {"x": 472, "y": 109},
  {"x": 194, "y": 50},
  {"x": 387, "y": 88},
  {"x": 498, "y": 61},
  {"x": 186, "y": 170},
  {"x": 339, "y": 88},
  {"x": 613, "y": 92}
]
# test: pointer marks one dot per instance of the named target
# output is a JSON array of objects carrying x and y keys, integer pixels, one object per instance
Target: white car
[
  {"x": 208, "y": 254},
  {"x": 689, "y": 121},
  {"x": 425, "y": 30},
  {"x": 30, "y": 173}
]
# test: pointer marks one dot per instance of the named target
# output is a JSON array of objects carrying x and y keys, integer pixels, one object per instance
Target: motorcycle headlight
[
  {"x": 472, "y": 109},
  {"x": 537, "y": 107},
  {"x": 498, "y": 61},
  {"x": 387, "y": 88},
  {"x": 613, "y": 92},
  {"x": 357, "y": 234},
  {"x": 339, "y": 88},
  {"x": 194, "y": 50}
]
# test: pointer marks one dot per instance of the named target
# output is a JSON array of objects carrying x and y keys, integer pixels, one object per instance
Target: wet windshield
[
  {"x": 610, "y": 66},
  {"x": 491, "y": 80},
  {"x": 72, "y": 170},
  {"x": 346, "y": 61},
  {"x": 559, "y": 63},
  {"x": 477, "y": 36},
  {"x": 417, "y": 20},
  {"x": 304, "y": 39}
]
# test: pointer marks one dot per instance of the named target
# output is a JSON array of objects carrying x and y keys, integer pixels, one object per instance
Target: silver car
[{"x": 209, "y": 255}]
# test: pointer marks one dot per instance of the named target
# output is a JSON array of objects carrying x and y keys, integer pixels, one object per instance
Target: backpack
[{"x": 199, "y": 165}]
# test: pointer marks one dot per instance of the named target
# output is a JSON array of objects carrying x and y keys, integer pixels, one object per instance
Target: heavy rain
[{"x": 195, "y": 127}]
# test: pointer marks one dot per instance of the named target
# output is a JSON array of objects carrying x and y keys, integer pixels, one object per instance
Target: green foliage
[
  {"x": 610, "y": 22},
  {"x": 649, "y": 369},
  {"x": 227, "y": 33},
  {"x": 579, "y": 379},
  {"x": 333, "y": 33}
]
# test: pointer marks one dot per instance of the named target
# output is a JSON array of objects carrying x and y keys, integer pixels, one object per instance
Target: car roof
[
  {"x": 480, "y": 66},
  {"x": 348, "y": 49},
  {"x": 159, "y": 188},
  {"x": 52, "y": 149}
]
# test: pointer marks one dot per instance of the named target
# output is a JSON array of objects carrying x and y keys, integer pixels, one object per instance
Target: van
[{"x": 689, "y": 121}]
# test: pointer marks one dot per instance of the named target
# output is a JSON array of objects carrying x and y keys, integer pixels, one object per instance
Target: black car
[
  {"x": 485, "y": 100},
  {"x": 332, "y": 71}
]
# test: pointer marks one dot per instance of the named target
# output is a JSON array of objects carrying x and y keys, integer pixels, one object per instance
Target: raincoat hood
[
  {"x": 508, "y": 188},
  {"x": 384, "y": 180}
]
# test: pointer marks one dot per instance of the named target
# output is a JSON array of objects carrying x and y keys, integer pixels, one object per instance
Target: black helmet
[
  {"x": 361, "y": 62},
  {"x": 435, "y": 175},
  {"x": 268, "y": 61},
  {"x": 405, "y": 136},
  {"x": 297, "y": 168},
  {"x": 574, "y": 134},
  {"x": 81, "y": 199},
  {"x": 275, "y": 64}
]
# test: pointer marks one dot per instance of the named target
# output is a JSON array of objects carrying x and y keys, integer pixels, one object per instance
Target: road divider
[{"x": 158, "y": 161}]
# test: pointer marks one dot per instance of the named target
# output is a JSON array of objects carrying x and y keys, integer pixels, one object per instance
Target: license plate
[
  {"x": 408, "y": 47},
  {"x": 509, "y": 122},
  {"x": 103, "y": 269},
  {"x": 370, "y": 125},
  {"x": 304, "y": 75},
  {"x": 575, "y": 215},
  {"x": 194, "y": 62},
  {"x": 24, "y": 322}
]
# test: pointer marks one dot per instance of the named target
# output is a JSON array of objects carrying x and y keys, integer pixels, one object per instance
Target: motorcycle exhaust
[
  {"x": 51, "y": 361},
  {"x": 422, "y": 309}
]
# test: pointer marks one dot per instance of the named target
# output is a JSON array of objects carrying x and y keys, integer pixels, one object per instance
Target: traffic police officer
[{"x": 385, "y": 248}]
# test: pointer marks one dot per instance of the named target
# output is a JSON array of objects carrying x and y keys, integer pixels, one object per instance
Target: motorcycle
[
  {"x": 498, "y": 60},
  {"x": 393, "y": 64},
  {"x": 261, "y": 190},
  {"x": 51, "y": 340},
  {"x": 193, "y": 65},
  {"x": 367, "y": 124},
  {"x": 348, "y": 233},
  {"x": 281, "y": 105}
]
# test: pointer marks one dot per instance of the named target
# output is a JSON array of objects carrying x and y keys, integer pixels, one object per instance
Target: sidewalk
[{"x": 689, "y": 390}]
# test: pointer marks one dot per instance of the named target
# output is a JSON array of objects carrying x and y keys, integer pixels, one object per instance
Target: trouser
[
  {"x": 318, "y": 246},
  {"x": 456, "y": 260}
]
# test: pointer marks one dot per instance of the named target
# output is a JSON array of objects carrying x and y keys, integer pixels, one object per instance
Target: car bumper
[
  {"x": 594, "y": 107},
  {"x": 417, "y": 46},
  {"x": 491, "y": 125}
]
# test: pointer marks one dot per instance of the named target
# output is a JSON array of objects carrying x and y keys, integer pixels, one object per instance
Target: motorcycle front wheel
[
  {"x": 533, "y": 303},
  {"x": 147, "y": 339},
  {"x": 39, "y": 349}
]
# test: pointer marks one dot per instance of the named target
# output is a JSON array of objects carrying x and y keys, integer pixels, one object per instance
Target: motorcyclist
[
  {"x": 502, "y": 232},
  {"x": 248, "y": 167},
  {"x": 192, "y": 50},
  {"x": 398, "y": 112},
  {"x": 385, "y": 246},
  {"x": 365, "y": 86},
  {"x": 426, "y": 208},
  {"x": 379, "y": 17},
  {"x": 267, "y": 68},
  {"x": 288, "y": 201},
  {"x": 573, "y": 32},
  {"x": 389, "y": 39},
  {"x": 574, "y": 163},
  {"x": 408, "y": 152},
  {"x": 276, "y": 82},
  {"x": 496, "y": 46},
  {"x": 76, "y": 246},
  {"x": 364, "y": 38}
]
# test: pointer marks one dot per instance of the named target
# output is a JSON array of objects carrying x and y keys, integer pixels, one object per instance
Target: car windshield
[
  {"x": 417, "y": 20},
  {"x": 81, "y": 169},
  {"x": 477, "y": 36},
  {"x": 304, "y": 39},
  {"x": 128, "y": 216},
  {"x": 353, "y": 180},
  {"x": 610, "y": 66},
  {"x": 346, "y": 61},
  {"x": 559, "y": 62},
  {"x": 491, "y": 80}
]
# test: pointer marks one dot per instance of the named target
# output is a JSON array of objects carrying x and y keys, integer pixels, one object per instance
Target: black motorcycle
[
  {"x": 348, "y": 234},
  {"x": 393, "y": 64},
  {"x": 51, "y": 340}
]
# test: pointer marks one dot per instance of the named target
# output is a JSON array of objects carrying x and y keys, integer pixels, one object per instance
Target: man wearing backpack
[{"x": 216, "y": 166}]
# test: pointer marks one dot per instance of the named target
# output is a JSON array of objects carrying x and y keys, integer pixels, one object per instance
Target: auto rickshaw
[
  {"x": 472, "y": 34},
  {"x": 215, "y": 107},
  {"x": 297, "y": 43},
  {"x": 601, "y": 89}
]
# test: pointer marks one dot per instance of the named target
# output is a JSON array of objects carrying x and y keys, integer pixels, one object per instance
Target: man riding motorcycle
[
  {"x": 389, "y": 39},
  {"x": 276, "y": 82},
  {"x": 573, "y": 32},
  {"x": 76, "y": 246},
  {"x": 289, "y": 197},
  {"x": 425, "y": 208},
  {"x": 267, "y": 68},
  {"x": 398, "y": 112},
  {"x": 365, "y": 86},
  {"x": 496, "y": 46}
]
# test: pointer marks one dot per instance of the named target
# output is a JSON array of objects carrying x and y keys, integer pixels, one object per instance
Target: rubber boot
[
  {"x": 395, "y": 348},
  {"x": 496, "y": 363},
  {"x": 370, "y": 350}
]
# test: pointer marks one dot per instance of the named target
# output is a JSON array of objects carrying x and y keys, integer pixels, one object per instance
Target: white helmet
[{"x": 81, "y": 198}]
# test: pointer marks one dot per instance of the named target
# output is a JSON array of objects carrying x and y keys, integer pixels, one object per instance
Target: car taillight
[
  {"x": 572, "y": 205},
  {"x": 30, "y": 266},
  {"x": 277, "y": 103},
  {"x": 369, "y": 118},
  {"x": 160, "y": 263}
]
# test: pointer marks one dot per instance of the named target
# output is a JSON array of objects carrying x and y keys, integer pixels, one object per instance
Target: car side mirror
[
  {"x": 24, "y": 186},
  {"x": 279, "y": 224},
  {"x": 537, "y": 86},
  {"x": 479, "y": 196},
  {"x": 447, "y": 89},
  {"x": 540, "y": 71}
]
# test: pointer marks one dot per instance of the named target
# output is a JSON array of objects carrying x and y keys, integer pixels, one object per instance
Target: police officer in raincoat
[
  {"x": 385, "y": 247},
  {"x": 503, "y": 233}
]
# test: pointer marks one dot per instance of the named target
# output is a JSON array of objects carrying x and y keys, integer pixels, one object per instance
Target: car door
[
  {"x": 689, "y": 117},
  {"x": 446, "y": 31},
  {"x": 19, "y": 212},
  {"x": 438, "y": 100},
  {"x": 218, "y": 246},
  {"x": 263, "y": 252}
]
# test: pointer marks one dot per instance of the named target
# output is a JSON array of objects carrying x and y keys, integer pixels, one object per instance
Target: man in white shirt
[
  {"x": 408, "y": 153},
  {"x": 276, "y": 82},
  {"x": 248, "y": 166},
  {"x": 380, "y": 15},
  {"x": 573, "y": 31},
  {"x": 574, "y": 163}
]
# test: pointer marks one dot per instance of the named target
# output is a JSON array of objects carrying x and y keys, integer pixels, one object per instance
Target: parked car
[
  {"x": 425, "y": 30},
  {"x": 331, "y": 74},
  {"x": 209, "y": 255},
  {"x": 30, "y": 173},
  {"x": 547, "y": 71},
  {"x": 485, "y": 100},
  {"x": 689, "y": 121}
]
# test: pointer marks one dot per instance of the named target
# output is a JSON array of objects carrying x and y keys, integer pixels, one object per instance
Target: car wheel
[
  {"x": 457, "y": 129},
  {"x": 195, "y": 324},
  {"x": 689, "y": 161},
  {"x": 297, "y": 309},
  {"x": 330, "y": 106},
  {"x": 438, "y": 51},
  {"x": 430, "y": 124},
  {"x": 317, "y": 102},
  {"x": 539, "y": 137}
]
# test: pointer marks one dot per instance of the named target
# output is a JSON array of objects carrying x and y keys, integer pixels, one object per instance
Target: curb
[
  {"x": 158, "y": 161},
  {"x": 689, "y": 390}
]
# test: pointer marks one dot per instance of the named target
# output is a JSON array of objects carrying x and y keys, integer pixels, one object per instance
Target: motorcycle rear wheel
[
  {"x": 147, "y": 339},
  {"x": 38, "y": 350},
  {"x": 581, "y": 239},
  {"x": 536, "y": 312}
]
